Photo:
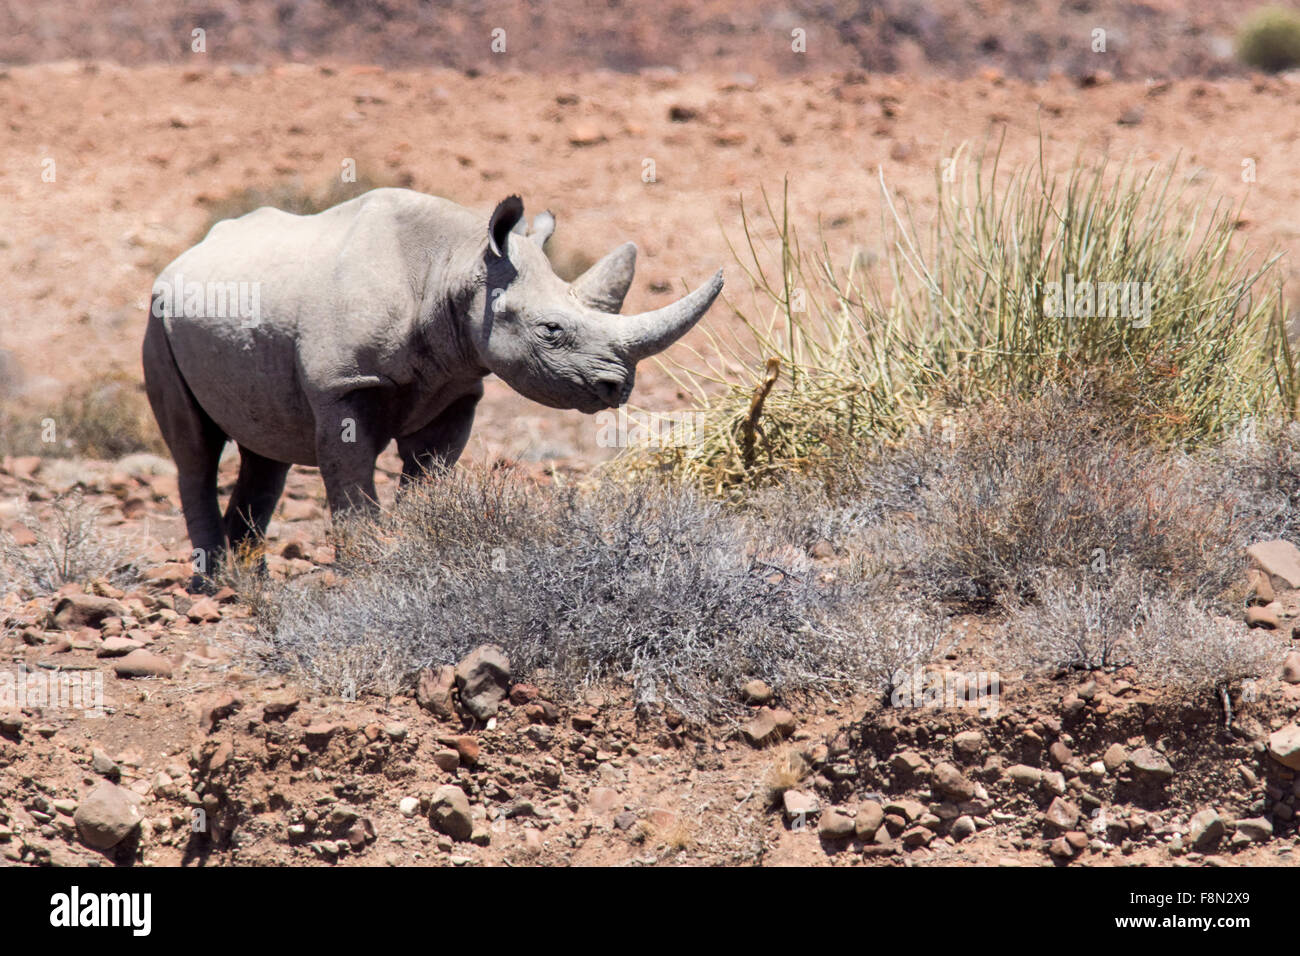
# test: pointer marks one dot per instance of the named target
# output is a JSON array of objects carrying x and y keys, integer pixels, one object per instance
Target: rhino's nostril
[{"x": 613, "y": 391}]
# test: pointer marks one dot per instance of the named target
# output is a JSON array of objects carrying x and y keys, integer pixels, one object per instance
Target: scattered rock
[
  {"x": 916, "y": 837},
  {"x": 483, "y": 679},
  {"x": 798, "y": 804},
  {"x": 1059, "y": 754},
  {"x": 1054, "y": 782},
  {"x": 869, "y": 819},
  {"x": 585, "y": 134},
  {"x": 756, "y": 692},
  {"x": 1131, "y": 116},
  {"x": 447, "y": 760},
  {"x": 522, "y": 694},
  {"x": 909, "y": 810},
  {"x": 408, "y": 806},
  {"x": 768, "y": 725},
  {"x": 1265, "y": 616},
  {"x": 319, "y": 734},
  {"x": 117, "y": 647},
  {"x": 104, "y": 765},
  {"x": 835, "y": 825},
  {"x": 1291, "y": 668},
  {"x": 909, "y": 766},
  {"x": 1060, "y": 849},
  {"x": 1062, "y": 814},
  {"x": 1150, "y": 766},
  {"x": 142, "y": 663},
  {"x": 216, "y": 709},
  {"x": 1278, "y": 558},
  {"x": 465, "y": 745},
  {"x": 1284, "y": 746},
  {"x": 1255, "y": 829},
  {"x": 433, "y": 691},
  {"x": 962, "y": 827},
  {"x": 951, "y": 783},
  {"x": 85, "y": 610},
  {"x": 279, "y": 707},
  {"x": 968, "y": 744},
  {"x": 1115, "y": 758},
  {"x": 1025, "y": 776},
  {"x": 360, "y": 834},
  {"x": 449, "y": 813},
  {"x": 107, "y": 816},
  {"x": 1205, "y": 830},
  {"x": 205, "y": 609}
]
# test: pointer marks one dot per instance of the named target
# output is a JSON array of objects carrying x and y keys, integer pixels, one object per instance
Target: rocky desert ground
[{"x": 119, "y": 145}]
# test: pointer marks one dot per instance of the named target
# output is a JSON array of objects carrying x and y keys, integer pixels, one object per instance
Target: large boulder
[
  {"x": 107, "y": 816},
  {"x": 483, "y": 679}
]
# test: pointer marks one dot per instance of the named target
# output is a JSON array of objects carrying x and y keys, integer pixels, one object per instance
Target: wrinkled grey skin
[{"x": 379, "y": 319}]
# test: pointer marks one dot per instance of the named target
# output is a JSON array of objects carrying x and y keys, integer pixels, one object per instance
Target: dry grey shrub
[
  {"x": 1258, "y": 469},
  {"x": 644, "y": 584},
  {"x": 981, "y": 505},
  {"x": 71, "y": 546},
  {"x": 1188, "y": 648},
  {"x": 1080, "y": 619},
  {"x": 889, "y": 638},
  {"x": 1093, "y": 621}
]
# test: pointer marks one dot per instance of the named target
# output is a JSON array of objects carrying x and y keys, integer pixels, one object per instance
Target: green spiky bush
[
  {"x": 971, "y": 307},
  {"x": 1269, "y": 39}
]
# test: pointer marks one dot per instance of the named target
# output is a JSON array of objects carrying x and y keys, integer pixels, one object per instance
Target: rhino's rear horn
[
  {"x": 604, "y": 286},
  {"x": 651, "y": 332},
  {"x": 543, "y": 227}
]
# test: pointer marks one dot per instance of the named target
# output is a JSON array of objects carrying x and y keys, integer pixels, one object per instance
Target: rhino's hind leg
[
  {"x": 195, "y": 442},
  {"x": 257, "y": 489},
  {"x": 439, "y": 444}
]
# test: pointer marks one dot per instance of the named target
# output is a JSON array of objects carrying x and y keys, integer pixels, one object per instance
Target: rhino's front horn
[
  {"x": 651, "y": 332},
  {"x": 604, "y": 286}
]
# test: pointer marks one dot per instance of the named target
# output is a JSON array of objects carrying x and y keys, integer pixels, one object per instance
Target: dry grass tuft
[
  {"x": 71, "y": 547},
  {"x": 789, "y": 768}
]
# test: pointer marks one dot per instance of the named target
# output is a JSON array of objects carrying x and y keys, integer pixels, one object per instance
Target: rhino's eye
[{"x": 551, "y": 331}]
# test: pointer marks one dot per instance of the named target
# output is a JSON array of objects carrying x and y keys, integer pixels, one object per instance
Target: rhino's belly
[{"x": 246, "y": 380}]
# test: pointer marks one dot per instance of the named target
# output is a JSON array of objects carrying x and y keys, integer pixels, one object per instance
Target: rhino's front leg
[
  {"x": 348, "y": 440},
  {"x": 439, "y": 444}
]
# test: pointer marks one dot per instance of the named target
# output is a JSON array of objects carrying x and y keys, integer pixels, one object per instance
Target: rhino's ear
[
  {"x": 504, "y": 218},
  {"x": 543, "y": 226}
]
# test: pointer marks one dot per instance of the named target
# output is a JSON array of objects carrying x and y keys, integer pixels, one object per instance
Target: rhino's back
[{"x": 261, "y": 290}]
